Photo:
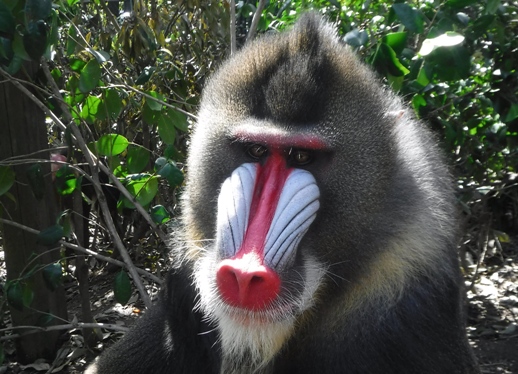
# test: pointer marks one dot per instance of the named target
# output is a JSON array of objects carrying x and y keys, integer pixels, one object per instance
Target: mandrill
[{"x": 318, "y": 231}]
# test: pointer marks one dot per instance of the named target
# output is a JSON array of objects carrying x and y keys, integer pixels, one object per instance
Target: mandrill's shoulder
[{"x": 169, "y": 338}]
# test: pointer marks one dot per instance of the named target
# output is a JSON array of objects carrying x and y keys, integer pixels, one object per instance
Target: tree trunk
[{"x": 22, "y": 132}]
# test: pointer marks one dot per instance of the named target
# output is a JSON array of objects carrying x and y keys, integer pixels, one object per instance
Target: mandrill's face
[{"x": 282, "y": 186}]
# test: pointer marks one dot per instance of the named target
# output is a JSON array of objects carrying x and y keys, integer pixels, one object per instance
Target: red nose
[{"x": 247, "y": 285}]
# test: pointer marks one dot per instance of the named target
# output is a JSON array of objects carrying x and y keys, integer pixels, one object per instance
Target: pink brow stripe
[{"x": 311, "y": 142}]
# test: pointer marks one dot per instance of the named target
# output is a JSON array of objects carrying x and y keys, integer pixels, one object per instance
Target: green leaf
[
  {"x": 90, "y": 111},
  {"x": 178, "y": 119},
  {"x": 150, "y": 116},
  {"x": 492, "y": 6},
  {"x": 159, "y": 163},
  {"x": 76, "y": 64},
  {"x": 112, "y": 103},
  {"x": 511, "y": 115},
  {"x": 170, "y": 152},
  {"x": 171, "y": 173},
  {"x": 448, "y": 39},
  {"x": 19, "y": 295},
  {"x": 386, "y": 61},
  {"x": 66, "y": 181},
  {"x": 396, "y": 41},
  {"x": 65, "y": 220},
  {"x": 450, "y": 64},
  {"x": 122, "y": 287},
  {"x": 418, "y": 101},
  {"x": 6, "y": 50},
  {"x": 159, "y": 214},
  {"x": 27, "y": 295},
  {"x": 155, "y": 105},
  {"x": 143, "y": 187},
  {"x": 356, "y": 38},
  {"x": 7, "y": 178},
  {"x": 422, "y": 77},
  {"x": 112, "y": 144},
  {"x": 35, "y": 39},
  {"x": 15, "y": 295},
  {"x": 36, "y": 182},
  {"x": 51, "y": 235},
  {"x": 71, "y": 41},
  {"x": 409, "y": 17},
  {"x": 37, "y": 9},
  {"x": 53, "y": 274},
  {"x": 90, "y": 76},
  {"x": 166, "y": 129},
  {"x": 2, "y": 354},
  {"x": 145, "y": 75},
  {"x": 19, "y": 48},
  {"x": 461, "y": 3},
  {"x": 100, "y": 56},
  {"x": 7, "y": 22},
  {"x": 137, "y": 158}
]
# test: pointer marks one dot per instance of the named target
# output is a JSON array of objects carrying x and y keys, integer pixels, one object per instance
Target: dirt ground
[{"x": 492, "y": 310}]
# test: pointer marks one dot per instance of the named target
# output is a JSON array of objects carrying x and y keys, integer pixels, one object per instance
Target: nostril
[{"x": 245, "y": 286}]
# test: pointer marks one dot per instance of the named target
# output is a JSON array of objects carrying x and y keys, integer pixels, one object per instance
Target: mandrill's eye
[
  {"x": 257, "y": 150},
  {"x": 300, "y": 156}
]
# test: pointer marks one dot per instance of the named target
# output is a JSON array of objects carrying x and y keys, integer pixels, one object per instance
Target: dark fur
[{"x": 391, "y": 300}]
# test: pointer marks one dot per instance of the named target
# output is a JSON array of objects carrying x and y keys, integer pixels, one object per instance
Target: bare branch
[
  {"x": 255, "y": 21},
  {"x": 87, "y": 251}
]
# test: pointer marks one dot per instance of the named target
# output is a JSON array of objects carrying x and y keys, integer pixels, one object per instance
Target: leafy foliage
[{"x": 128, "y": 76}]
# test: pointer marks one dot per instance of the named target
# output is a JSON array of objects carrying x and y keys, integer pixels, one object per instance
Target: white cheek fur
[{"x": 253, "y": 336}]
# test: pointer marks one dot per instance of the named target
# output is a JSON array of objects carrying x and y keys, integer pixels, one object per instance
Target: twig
[
  {"x": 76, "y": 247},
  {"x": 232, "y": 26},
  {"x": 68, "y": 326},
  {"x": 255, "y": 21},
  {"x": 90, "y": 157},
  {"x": 104, "y": 169}
]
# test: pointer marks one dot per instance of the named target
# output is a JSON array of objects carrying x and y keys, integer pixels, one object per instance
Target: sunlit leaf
[
  {"x": 159, "y": 214},
  {"x": 448, "y": 39},
  {"x": 396, "y": 41},
  {"x": 112, "y": 144},
  {"x": 144, "y": 188},
  {"x": 66, "y": 181},
  {"x": 156, "y": 104},
  {"x": 90, "y": 110}
]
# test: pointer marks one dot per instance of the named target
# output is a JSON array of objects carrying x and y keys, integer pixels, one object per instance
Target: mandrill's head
[{"x": 303, "y": 175}]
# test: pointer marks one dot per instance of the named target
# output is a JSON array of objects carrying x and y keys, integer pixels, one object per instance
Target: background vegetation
[{"x": 109, "y": 91}]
